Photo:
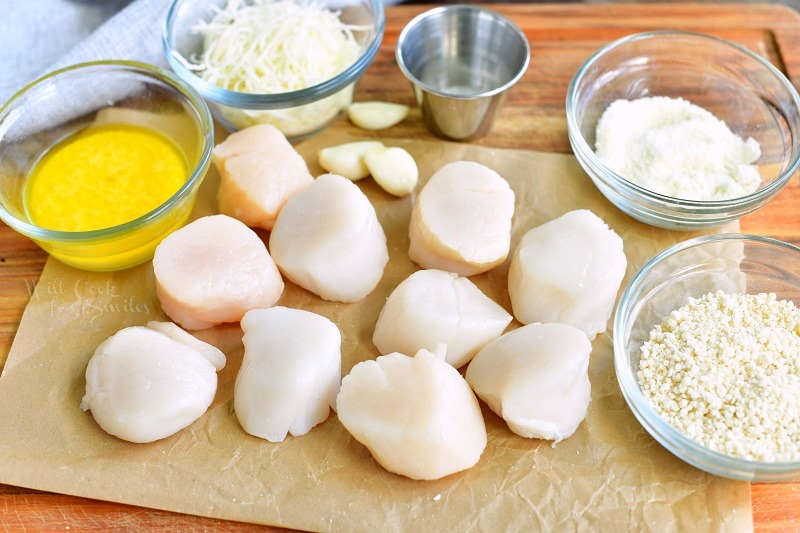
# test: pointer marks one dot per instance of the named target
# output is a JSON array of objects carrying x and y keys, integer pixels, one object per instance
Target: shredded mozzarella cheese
[{"x": 276, "y": 46}]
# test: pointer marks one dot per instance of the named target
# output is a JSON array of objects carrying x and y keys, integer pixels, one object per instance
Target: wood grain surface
[{"x": 561, "y": 37}]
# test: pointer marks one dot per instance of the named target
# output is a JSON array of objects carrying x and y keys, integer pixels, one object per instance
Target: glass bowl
[
  {"x": 729, "y": 262},
  {"x": 73, "y": 98},
  {"x": 323, "y": 102},
  {"x": 739, "y": 87}
]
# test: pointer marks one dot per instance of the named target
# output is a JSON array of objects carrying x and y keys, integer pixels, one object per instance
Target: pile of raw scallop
[{"x": 411, "y": 407}]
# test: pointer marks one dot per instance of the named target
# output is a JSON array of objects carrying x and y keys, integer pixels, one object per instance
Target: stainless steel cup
[{"x": 461, "y": 60}]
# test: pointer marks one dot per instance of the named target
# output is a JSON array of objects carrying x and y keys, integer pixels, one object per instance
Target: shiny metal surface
[{"x": 461, "y": 60}]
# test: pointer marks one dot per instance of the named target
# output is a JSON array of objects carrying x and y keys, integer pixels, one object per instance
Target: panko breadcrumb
[{"x": 724, "y": 370}]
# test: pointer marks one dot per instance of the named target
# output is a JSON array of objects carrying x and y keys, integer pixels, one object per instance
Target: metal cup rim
[{"x": 497, "y": 17}]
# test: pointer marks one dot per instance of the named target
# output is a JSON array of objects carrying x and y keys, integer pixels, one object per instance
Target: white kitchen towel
[{"x": 38, "y": 36}]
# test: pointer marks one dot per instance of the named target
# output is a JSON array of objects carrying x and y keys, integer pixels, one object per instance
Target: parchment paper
[{"x": 609, "y": 476}]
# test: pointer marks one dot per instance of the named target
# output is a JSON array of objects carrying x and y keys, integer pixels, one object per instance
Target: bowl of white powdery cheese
[
  {"x": 683, "y": 130},
  {"x": 707, "y": 354}
]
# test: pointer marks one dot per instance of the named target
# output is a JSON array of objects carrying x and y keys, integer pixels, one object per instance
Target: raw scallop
[
  {"x": 290, "y": 372},
  {"x": 567, "y": 270},
  {"x": 433, "y": 306},
  {"x": 461, "y": 221},
  {"x": 212, "y": 271},
  {"x": 328, "y": 240},
  {"x": 259, "y": 171},
  {"x": 536, "y": 379},
  {"x": 142, "y": 385},
  {"x": 174, "y": 332},
  {"x": 416, "y": 415}
]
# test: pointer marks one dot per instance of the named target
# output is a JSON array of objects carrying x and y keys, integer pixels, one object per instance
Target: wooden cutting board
[{"x": 561, "y": 37}]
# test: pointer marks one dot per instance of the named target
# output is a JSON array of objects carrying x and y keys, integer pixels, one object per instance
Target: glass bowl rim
[
  {"x": 658, "y": 428},
  {"x": 712, "y": 206},
  {"x": 237, "y": 99},
  {"x": 497, "y": 17},
  {"x": 205, "y": 125}
]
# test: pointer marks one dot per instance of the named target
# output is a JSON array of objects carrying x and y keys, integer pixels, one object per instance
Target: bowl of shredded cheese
[
  {"x": 707, "y": 354},
  {"x": 100, "y": 161},
  {"x": 293, "y": 64},
  {"x": 683, "y": 130}
]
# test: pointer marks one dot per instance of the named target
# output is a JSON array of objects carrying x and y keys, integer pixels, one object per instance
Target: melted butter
[{"x": 103, "y": 176}]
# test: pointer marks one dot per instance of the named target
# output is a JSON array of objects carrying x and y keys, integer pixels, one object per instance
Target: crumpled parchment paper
[{"x": 609, "y": 476}]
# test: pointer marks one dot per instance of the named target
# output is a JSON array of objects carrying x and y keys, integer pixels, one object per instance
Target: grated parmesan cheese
[
  {"x": 724, "y": 370},
  {"x": 676, "y": 148}
]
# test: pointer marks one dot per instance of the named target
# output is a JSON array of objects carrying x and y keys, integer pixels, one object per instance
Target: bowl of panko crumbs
[{"x": 707, "y": 354}]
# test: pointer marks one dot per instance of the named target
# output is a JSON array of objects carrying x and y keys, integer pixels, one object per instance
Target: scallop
[
  {"x": 143, "y": 385},
  {"x": 416, "y": 415},
  {"x": 432, "y": 307},
  {"x": 174, "y": 332},
  {"x": 259, "y": 170},
  {"x": 328, "y": 240},
  {"x": 536, "y": 379},
  {"x": 290, "y": 373},
  {"x": 567, "y": 270},
  {"x": 212, "y": 271},
  {"x": 461, "y": 221}
]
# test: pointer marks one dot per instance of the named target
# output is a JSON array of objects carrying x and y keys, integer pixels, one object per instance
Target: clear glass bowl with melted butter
[{"x": 100, "y": 161}]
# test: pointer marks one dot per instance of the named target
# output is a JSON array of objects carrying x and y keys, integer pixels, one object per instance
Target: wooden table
[{"x": 561, "y": 37}]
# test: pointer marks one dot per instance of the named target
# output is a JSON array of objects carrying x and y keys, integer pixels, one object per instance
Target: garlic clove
[
  {"x": 347, "y": 159},
  {"x": 393, "y": 169},
  {"x": 376, "y": 115}
]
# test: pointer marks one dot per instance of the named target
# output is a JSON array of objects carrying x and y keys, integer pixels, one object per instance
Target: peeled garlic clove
[
  {"x": 143, "y": 385},
  {"x": 536, "y": 378},
  {"x": 348, "y": 159},
  {"x": 393, "y": 169},
  {"x": 290, "y": 373},
  {"x": 416, "y": 415},
  {"x": 376, "y": 115}
]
